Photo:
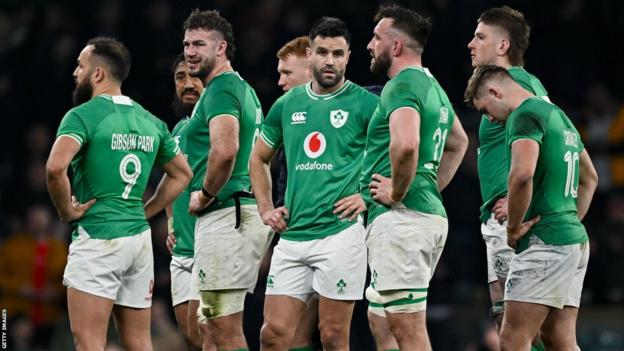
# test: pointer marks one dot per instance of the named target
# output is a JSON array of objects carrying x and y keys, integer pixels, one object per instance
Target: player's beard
[
  {"x": 82, "y": 93},
  {"x": 381, "y": 64},
  {"x": 327, "y": 83},
  {"x": 206, "y": 66},
  {"x": 180, "y": 109}
]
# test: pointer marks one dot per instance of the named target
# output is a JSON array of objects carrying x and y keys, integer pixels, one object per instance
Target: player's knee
[
  {"x": 86, "y": 344},
  {"x": 272, "y": 334},
  {"x": 84, "y": 340},
  {"x": 333, "y": 336},
  {"x": 504, "y": 341},
  {"x": 136, "y": 342},
  {"x": 507, "y": 339},
  {"x": 557, "y": 341},
  {"x": 215, "y": 304}
]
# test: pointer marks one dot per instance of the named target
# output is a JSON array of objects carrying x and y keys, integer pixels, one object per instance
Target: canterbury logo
[{"x": 298, "y": 118}]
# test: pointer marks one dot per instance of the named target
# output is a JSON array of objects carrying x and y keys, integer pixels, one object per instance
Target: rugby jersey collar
[
  {"x": 117, "y": 99},
  {"x": 425, "y": 70},
  {"x": 315, "y": 96},
  {"x": 226, "y": 73}
]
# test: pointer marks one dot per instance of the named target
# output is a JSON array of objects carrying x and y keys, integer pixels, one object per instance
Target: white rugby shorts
[{"x": 119, "y": 269}]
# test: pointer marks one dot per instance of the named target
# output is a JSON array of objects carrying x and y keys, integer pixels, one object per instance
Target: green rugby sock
[
  {"x": 304, "y": 348},
  {"x": 539, "y": 347}
]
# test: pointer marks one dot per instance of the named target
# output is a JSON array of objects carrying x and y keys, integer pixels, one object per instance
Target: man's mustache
[{"x": 190, "y": 91}]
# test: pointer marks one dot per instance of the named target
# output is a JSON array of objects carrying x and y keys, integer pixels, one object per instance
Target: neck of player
[
  {"x": 400, "y": 63},
  {"x": 502, "y": 61},
  {"x": 318, "y": 89},
  {"x": 518, "y": 97},
  {"x": 221, "y": 67},
  {"x": 106, "y": 88}
]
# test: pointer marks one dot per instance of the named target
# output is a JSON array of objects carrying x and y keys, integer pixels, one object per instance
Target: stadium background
[{"x": 576, "y": 50}]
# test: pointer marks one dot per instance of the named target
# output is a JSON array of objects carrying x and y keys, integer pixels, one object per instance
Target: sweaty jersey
[
  {"x": 491, "y": 155},
  {"x": 183, "y": 222},
  {"x": 323, "y": 138},
  {"x": 556, "y": 178},
  {"x": 120, "y": 142},
  {"x": 413, "y": 87},
  {"x": 226, "y": 94}
]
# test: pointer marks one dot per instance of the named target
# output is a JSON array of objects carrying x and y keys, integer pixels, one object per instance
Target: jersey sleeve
[
  {"x": 371, "y": 101},
  {"x": 401, "y": 94},
  {"x": 526, "y": 126},
  {"x": 73, "y": 127},
  {"x": 271, "y": 132},
  {"x": 168, "y": 147},
  {"x": 222, "y": 100}
]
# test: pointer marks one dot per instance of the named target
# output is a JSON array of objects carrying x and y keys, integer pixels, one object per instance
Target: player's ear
[
  {"x": 98, "y": 74},
  {"x": 397, "y": 47},
  {"x": 503, "y": 46},
  {"x": 221, "y": 49},
  {"x": 494, "y": 92}
]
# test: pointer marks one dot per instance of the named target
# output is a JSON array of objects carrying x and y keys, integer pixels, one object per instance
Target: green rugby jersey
[
  {"x": 417, "y": 88},
  {"x": 120, "y": 142},
  {"x": 491, "y": 155},
  {"x": 556, "y": 179},
  {"x": 183, "y": 222},
  {"x": 323, "y": 138},
  {"x": 226, "y": 94}
]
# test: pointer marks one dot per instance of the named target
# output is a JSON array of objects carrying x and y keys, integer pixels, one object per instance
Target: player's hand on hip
[
  {"x": 171, "y": 241},
  {"x": 76, "y": 210},
  {"x": 198, "y": 202},
  {"x": 350, "y": 206},
  {"x": 381, "y": 189},
  {"x": 276, "y": 218},
  {"x": 515, "y": 234},
  {"x": 500, "y": 210}
]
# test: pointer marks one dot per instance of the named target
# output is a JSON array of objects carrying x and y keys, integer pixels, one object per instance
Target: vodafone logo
[{"x": 314, "y": 144}]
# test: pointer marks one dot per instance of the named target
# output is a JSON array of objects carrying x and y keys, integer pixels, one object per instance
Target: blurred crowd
[{"x": 575, "y": 50}]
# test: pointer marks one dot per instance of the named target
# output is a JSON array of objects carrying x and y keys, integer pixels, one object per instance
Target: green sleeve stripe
[
  {"x": 398, "y": 302},
  {"x": 73, "y": 136},
  {"x": 266, "y": 139}
]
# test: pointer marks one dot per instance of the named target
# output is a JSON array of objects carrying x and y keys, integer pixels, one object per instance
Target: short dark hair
[
  {"x": 407, "y": 21},
  {"x": 114, "y": 53},
  {"x": 212, "y": 20},
  {"x": 330, "y": 27},
  {"x": 480, "y": 76},
  {"x": 179, "y": 59},
  {"x": 514, "y": 23}
]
